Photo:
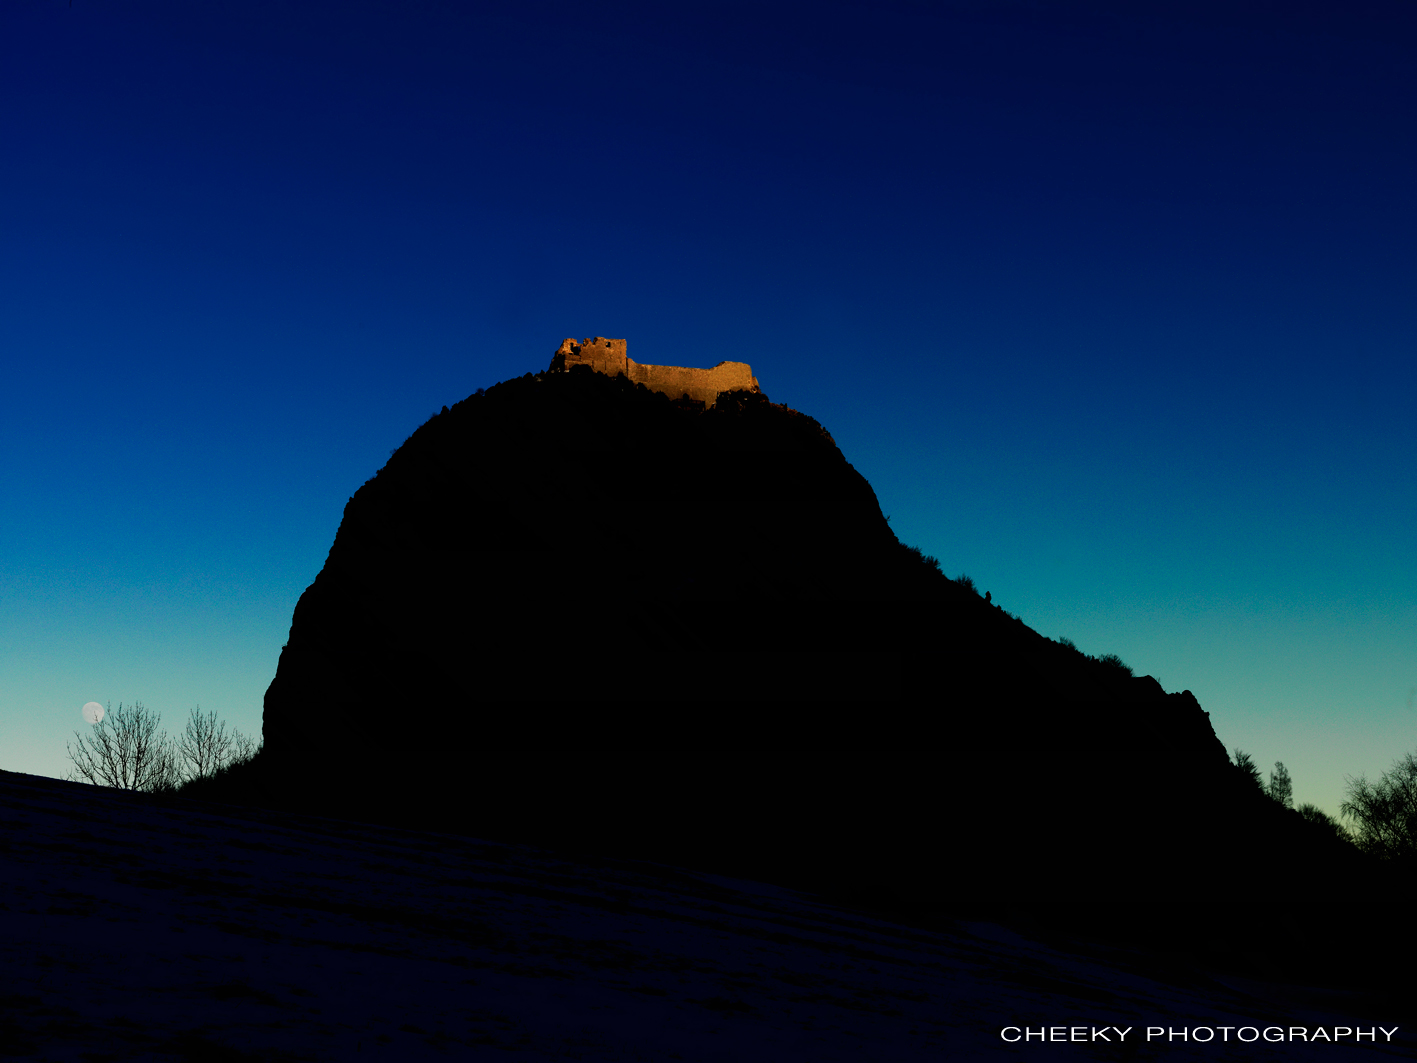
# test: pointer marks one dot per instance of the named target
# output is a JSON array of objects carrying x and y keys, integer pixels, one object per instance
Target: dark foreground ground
[{"x": 131, "y": 928}]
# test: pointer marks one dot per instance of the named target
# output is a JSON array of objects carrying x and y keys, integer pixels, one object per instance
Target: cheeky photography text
[{"x": 1350, "y": 1034}]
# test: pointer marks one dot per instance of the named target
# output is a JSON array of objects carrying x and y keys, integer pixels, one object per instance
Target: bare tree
[
  {"x": 205, "y": 747},
  {"x": 125, "y": 750},
  {"x": 1385, "y": 812}
]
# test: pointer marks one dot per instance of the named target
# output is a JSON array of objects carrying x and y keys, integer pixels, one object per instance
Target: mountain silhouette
[
  {"x": 572, "y": 539},
  {"x": 575, "y": 611},
  {"x": 619, "y": 723}
]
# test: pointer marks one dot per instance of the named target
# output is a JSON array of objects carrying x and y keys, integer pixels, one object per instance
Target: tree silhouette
[
  {"x": 1385, "y": 812},
  {"x": 124, "y": 750},
  {"x": 205, "y": 747},
  {"x": 1281, "y": 786},
  {"x": 1246, "y": 764}
]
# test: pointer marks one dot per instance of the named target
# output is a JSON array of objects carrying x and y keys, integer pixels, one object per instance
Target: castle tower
[{"x": 602, "y": 355}]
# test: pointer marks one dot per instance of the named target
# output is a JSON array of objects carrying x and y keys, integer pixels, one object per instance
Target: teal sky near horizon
[{"x": 1113, "y": 309}]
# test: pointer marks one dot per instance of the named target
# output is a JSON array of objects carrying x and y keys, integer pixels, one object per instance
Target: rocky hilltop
[{"x": 578, "y": 610}]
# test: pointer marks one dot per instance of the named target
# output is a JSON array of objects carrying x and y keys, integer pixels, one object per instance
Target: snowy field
[{"x": 130, "y": 929}]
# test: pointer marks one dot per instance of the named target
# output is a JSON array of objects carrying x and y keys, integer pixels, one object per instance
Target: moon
[{"x": 93, "y": 712}]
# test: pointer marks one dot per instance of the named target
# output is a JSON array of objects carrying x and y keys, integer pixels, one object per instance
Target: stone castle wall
[{"x": 610, "y": 357}]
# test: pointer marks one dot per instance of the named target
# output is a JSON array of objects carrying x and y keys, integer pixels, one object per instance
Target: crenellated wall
[{"x": 610, "y": 357}]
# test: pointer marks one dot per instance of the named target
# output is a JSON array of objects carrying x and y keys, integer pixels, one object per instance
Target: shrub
[
  {"x": 1317, "y": 816},
  {"x": 923, "y": 558},
  {"x": 1111, "y": 660}
]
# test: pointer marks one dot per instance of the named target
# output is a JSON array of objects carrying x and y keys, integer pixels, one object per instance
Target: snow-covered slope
[{"x": 137, "y": 929}]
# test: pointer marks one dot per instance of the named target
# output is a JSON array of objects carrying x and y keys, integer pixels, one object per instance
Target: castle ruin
[{"x": 701, "y": 385}]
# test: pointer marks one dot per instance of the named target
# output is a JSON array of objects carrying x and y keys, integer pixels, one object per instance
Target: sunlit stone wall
[{"x": 610, "y": 357}]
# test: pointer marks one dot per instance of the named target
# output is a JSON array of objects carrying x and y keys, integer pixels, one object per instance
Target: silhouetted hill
[
  {"x": 571, "y": 611},
  {"x": 572, "y": 539}
]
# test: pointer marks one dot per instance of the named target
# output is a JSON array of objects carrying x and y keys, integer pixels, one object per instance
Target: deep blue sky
[{"x": 1113, "y": 304}]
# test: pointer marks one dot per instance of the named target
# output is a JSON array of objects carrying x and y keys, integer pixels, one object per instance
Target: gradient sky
[{"x": 1113, "y": 304}]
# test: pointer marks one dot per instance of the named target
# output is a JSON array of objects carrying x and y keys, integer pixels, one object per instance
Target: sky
[{"x": 1113, "y": 305}]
